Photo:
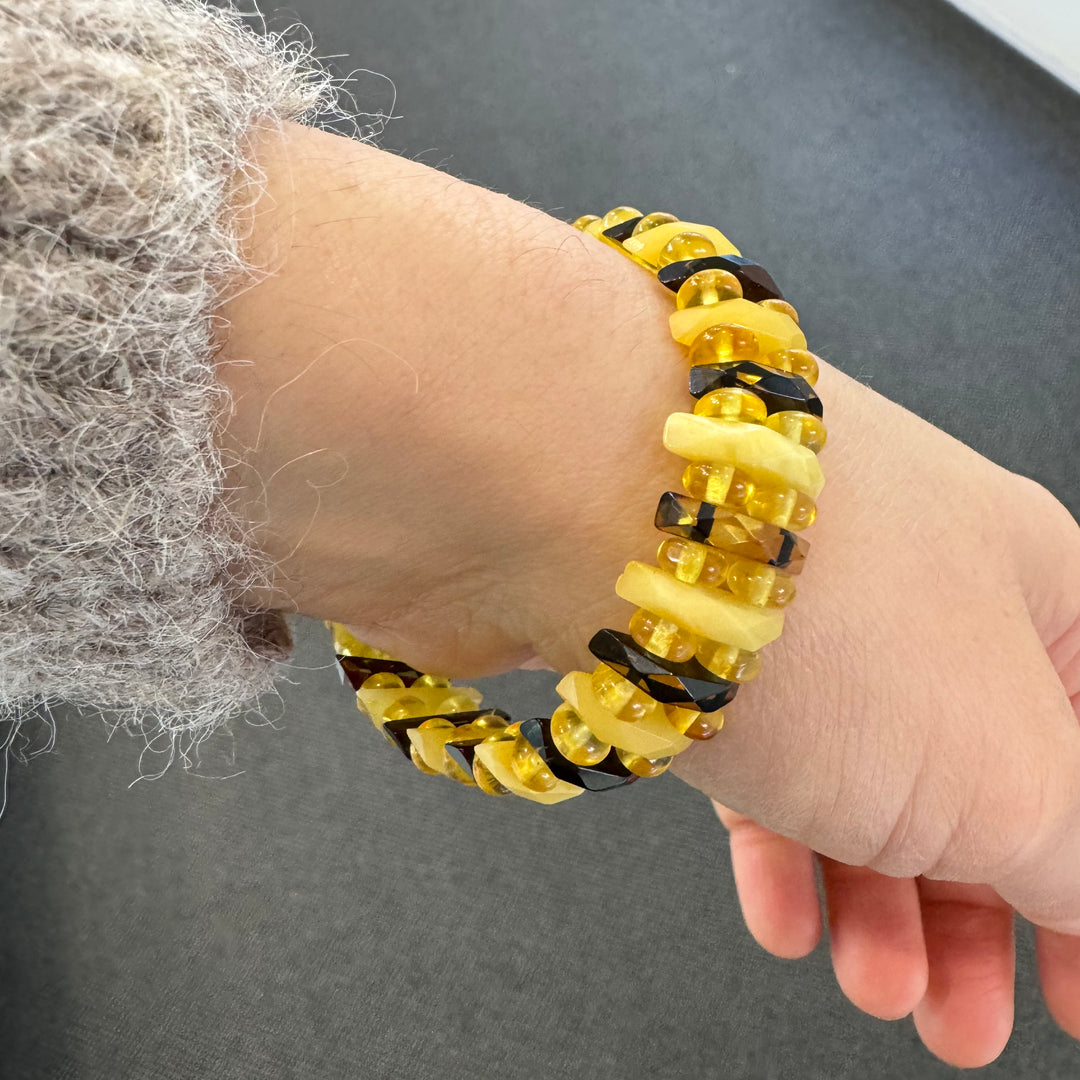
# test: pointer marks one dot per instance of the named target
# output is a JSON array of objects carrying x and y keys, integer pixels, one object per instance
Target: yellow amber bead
[
  {"x": 530, "y": 768},
  {"x": 714, "y": 483},
  {"x": 800, "y": 427},
  {"x": 692, "y": 562},
  {"x": 586, "y": 219},
  {"x": 729, "y": 662},
  {"x": 759, "y": 583},
  {"x": 382, "y": 680},
  {"x": 662, "y": 636},
  {"x": 772, "y": 504},
  {"x": 452, "y": 769},
  {"x": 618, "y": 216},
  {"x": 724, "y": 344},
  {"x": 489, "y": 723},
  {"x": 574, "y": 739},
  {"x": 643, "y": 766},
  {"x": 485, "y": 779},
  {"x": 432, "y": 680},
  {"x": 804, "y": 514},
  {"x": 651, "y": 221},
  {"x": 407, "y": 706},
  {"x": 783, "y": 307},
  {"x": 621, "y": 697},
  {"x": 797, "y": 361},
  {"x": 708, "y": 287},
  {"x": 458, "y": 703},
  {"x": 733, "y": 403},
  {"x": 698, "y": 726},
  {"x": 685, "y": 245},
  {"x": 419, "y": 762}
]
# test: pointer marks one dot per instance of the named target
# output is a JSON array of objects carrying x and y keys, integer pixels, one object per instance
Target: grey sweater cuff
[{"x": 122, "y": 127}]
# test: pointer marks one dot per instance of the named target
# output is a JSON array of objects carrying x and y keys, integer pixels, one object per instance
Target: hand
[{"x": 451, "y": 428}]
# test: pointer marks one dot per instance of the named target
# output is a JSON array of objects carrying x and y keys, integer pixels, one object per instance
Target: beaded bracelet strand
[{"x": 724, "y": 573}]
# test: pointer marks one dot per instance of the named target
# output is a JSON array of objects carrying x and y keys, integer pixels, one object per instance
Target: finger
[
  {"x": 876, "y": 939},
  {"x": 774, "y": 877},
  {"x": 966, "y": 1016},
  {"x": 1058, "y": 957}
]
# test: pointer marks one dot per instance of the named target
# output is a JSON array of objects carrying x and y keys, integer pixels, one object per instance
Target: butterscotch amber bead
[
  {"x": 798, "y": 426},
  {"x": 618, "y": 216},
  {"x": 718, "y": 484},
  {"x": 729, "y": 662},
  {"x": 382, "y": 680},
  {"x": 685, "y": 245},
  {"x": 662, "y": 636},
  {"x": 796, "y": 361},
  {"x": 574, "y": 739},
  {"x": 707, "y": 287},
  {"x": 485, "y": 780},
  {"x": 530, "y": 768},
  {"x": 650, "y": 221},
  {"x": 733, "y": 403},
  {"x": 643, "y": 766},
  {"x": 692, "y": 562},
  {"x": 621, "y": 697},
  {"x": 724, "y": 344},
  {"x": 783, "y": 307},
  {"x": 419, "y": 762}
]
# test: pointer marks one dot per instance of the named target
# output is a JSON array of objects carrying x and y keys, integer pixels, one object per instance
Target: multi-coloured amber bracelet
[{"x": 724, "y": 573}]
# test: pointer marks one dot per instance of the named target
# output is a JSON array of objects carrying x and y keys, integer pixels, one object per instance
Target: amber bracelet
[{"x": 724, "y": 573}]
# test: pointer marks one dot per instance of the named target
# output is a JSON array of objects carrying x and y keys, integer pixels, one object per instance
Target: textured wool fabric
[{"x": 122, "y": 174}]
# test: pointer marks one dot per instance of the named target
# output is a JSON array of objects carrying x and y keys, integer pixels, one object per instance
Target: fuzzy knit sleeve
[{"x": 122, "y": 158}]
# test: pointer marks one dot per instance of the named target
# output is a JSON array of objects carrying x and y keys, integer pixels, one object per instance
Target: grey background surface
[{"x": 914, "y": 186}]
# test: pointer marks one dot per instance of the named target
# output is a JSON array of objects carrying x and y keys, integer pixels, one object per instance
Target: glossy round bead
[
  {"x": 662, "y": 636},
  {"x": 432, "y": 680},
  {"x": 420, "y": 763},
  {"x": 489, "y": 723},
  {"x": 405, "y": 707},
  {"x": 458, "y": 703},
  {"x": 797, "y": 361},
  {"x": 772, "y": 504},
  {"x": 717, "y": 484},
  {"x": 382, "y": 680},
  {"x": 708, "y": 287},
  {"x": 723, "y": 344},
  {"x": 755, "y": 583},
  {"x": 618, "y": 216},
  {"x": 574, "y": 740},
  {"x": 783, "y": 307},
  {"x": 585, "y": 219},
  {"x": 650, "y": 221},
  {"x": 692, "y": 562},
  {"x": 685, "y": 245},
  {"x": 530, "y": 768},
  {"x": 804, "y": 514},
  {"x": 729, "y": 662},
  {"x": 800, "y": 427},
  {"x": 698, "y": 726},
  {"x": 485, "y": 779},
  {"x": 643, "y": 766},
  {"x": 621, "y": 697},
  {"x": 733, "y": 403}
]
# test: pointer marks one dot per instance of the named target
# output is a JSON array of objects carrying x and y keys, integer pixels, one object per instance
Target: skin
[{"x": 446, "y": 423}]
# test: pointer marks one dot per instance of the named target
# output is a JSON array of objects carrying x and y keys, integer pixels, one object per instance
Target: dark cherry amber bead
[
  {"x": 624, "y": 230},
  {"x": 779, "y": 390},
  {"x": 609, "y": 773},
  {"x": 358, "y": 668},
  {"x": 397, "y": 731},
  {"x": 756, "y": 282},
  {"x": 730, "y": 531},
  {"x": 687, "y": 684}
]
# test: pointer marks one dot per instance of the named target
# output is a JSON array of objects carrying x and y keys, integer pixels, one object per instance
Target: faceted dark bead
[
  {"x": 623, "y": 230},
  {"x": 780, "y": 390},
  {"x": 756, "y": 282},
  {"x": 358, "y": 668},
  {"x": 607, "y": 774},
  {"x": 707, "y": 523},
  {"x": 688, "y": 684},
  {"x": 397, "y": 731}
]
